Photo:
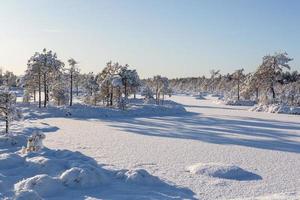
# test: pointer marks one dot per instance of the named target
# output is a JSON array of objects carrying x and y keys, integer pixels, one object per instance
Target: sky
[{"x": 173, "y": 38}]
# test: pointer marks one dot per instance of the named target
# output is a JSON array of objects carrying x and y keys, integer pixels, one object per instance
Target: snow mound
[
  {"x": 45, "y": 165},
  {"x": 10, "y": 160},
  {"x": 82, "y": 177},
  {"x": 42, "y": 184},
  {"x": 276, "y": 108},
  {"x": 28, "y": 195},
  {"x": 218, "y": 170},
  {"x": 138, "y": 176},
  {"x": 136, "y": 109},
  {"x": 240, "y": 102}
]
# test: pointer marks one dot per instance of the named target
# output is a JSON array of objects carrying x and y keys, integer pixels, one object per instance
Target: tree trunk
[
  {"x": 71, "y": 90},
  {"x": 125, "y": 89},
  {"x": 111, "y": 96},
  {"x": 77, "y": 89},
  {"x": 34, "y": 95},
  {"x": 45, "y": 90},
  {"x": 40, "y": 90},
  {"x": 256, "y": 91},
  {"x": 120, "y": 92},
  {"x": 157, "y": 95},
  {"x": 273, "y": 92},
  {"x": 47, "y": 93},
  {"x": 6, "y": 115},
  {"x": 6, "y": 123},
  {"x": 107, "y": 99},
  {"x": 238, "y": 89},
  {"x": 292, "y": 99}
]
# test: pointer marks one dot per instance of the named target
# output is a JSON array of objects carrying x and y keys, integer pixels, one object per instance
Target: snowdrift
[
  {"x": 218, "y": 170},
  {"x": 138, "y": 176},
  {"x": 43, "y": 185},
  {"x": 136, "y": 108},
  {"x": 63, "y": 174},
  {"x": 276, "y": 108}
]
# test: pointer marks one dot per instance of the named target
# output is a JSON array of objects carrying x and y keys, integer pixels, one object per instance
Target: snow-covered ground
[
  {"x": 263, "y": 144},
  {"x": 65, "y": 174},
  {"x": 213, "y": 151}
]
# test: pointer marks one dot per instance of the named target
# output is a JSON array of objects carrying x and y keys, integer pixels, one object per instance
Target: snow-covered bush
[
  {"x": 34, "y": 142},
  {"x": 276, "y": 108}
]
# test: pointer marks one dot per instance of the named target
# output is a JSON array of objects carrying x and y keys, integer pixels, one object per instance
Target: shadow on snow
[
  {"x": 249, "y": 132},
  {"x": 244, "y": 131}
]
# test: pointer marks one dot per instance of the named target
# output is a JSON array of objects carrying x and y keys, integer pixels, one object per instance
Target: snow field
[{"x": 63, "y": 174}]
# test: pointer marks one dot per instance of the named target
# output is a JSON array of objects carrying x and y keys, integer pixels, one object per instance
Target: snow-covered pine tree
[
  {"x": 73, "y": 71},
  {"x": 59, "y": 89},
  {"x": 130, "y": 80},
  {"x": 8, "y": 110},
  {"x": 147, "y": 93},
  {"x": 160, "y": 85},
  {"x": 44, "y": 65},
  {"x": 269, "y": 71},
  {"x": 9, "y": 79},
  {"x": 214, "y": 80},
  {"x": 238, "y": 76},
  {"x": 91, "y": 87}
]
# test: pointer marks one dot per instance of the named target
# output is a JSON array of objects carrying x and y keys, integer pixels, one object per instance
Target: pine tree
[
  {"x": 8, "y": 108},
  {"x": 73, "y": 72},
  {"x": 44, "y": 65}
]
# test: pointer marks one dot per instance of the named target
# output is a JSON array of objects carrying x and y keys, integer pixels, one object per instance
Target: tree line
[{"x": 272, "y": 82}]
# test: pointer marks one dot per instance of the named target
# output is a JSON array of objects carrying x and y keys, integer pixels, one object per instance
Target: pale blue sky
[{"x": 169, "y": 37}]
